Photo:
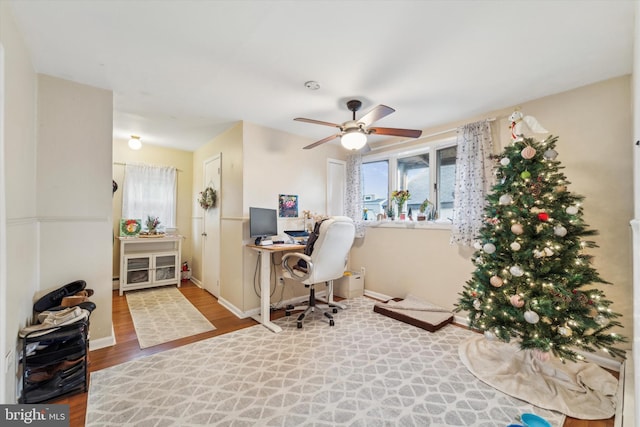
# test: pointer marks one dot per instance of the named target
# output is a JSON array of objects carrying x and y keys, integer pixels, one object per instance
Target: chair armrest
[{"x": 296, "y": 273}]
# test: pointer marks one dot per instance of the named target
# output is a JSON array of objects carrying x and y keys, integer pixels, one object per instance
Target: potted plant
[
  {"x": 400, "y": 197},
  {"x": 427, "y": 211}
]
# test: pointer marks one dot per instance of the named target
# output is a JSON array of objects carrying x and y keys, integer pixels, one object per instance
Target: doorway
[{"x": 211, "y": 229}]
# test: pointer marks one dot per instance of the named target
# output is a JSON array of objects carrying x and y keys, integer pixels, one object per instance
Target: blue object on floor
[{"x": 533, "y": 420}]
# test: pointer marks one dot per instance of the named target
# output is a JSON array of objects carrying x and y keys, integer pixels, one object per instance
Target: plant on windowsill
[
  {"x": 390, "y": 213},
  {"x": 427, "y": 211},
  {"x": 152, "y": 224},
  {"x": 208, "y": 198},
  {"x": 400, "y": 197}
]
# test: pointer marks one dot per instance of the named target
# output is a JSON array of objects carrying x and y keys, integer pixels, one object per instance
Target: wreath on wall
[{"x": 208, "y": 198}]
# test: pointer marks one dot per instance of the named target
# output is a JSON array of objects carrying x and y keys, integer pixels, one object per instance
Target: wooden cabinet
[{"x": 149, "y": 262}]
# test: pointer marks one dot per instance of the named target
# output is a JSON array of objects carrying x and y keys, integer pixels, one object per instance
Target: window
[
  {"x": 411, "y": 170},
  {"x": 375, "y": 188},
  {"x": 150, "y": 191}
]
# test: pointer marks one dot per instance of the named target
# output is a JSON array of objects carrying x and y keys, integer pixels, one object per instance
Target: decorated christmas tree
[{"x": 534, "y": 282}]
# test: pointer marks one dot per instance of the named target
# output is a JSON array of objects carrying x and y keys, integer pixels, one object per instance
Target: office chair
[{"x": 324, "y": 260}]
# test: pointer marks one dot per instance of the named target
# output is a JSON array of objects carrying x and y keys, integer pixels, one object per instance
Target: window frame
[{"x": 392, "y": 157}]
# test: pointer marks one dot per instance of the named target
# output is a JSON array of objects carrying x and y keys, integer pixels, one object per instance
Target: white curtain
[
  {"x": 353, "y": 206},
  {"x": 150, "y": 191},
  {"x": 473, "y": 180}
]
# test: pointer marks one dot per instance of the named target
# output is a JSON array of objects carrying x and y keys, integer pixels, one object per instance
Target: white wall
[{"x": 18, "y": 159}]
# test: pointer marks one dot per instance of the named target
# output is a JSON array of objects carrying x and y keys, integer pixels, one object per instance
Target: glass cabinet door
[
  {"x": 138, "y": 269},
  {"x": 165, "y": 267}
]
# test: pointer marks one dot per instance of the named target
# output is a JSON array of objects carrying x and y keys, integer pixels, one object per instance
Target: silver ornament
[{"x": 531, "y": 317}]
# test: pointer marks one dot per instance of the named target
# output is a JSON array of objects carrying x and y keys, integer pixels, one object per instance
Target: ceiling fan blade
[
  {"x": 317, "y": 122},
  {"x": 410, "y": 133},
  {"x": 322, "y": 141},
  {"x": 376, "y": 114}
]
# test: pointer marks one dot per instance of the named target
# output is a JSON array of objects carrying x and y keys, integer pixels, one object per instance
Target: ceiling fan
[{"x": 353, "y": 133}]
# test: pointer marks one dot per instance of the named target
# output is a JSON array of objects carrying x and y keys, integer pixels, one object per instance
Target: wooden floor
[{"x": 127, "y": 348}]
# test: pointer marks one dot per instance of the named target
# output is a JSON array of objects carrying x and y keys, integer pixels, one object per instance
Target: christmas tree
[{"x": 534, "y": 282}]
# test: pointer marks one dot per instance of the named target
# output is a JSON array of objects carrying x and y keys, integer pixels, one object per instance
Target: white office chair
[{"x": 324, "y": 260}]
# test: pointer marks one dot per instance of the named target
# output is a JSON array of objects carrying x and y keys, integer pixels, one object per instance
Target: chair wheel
[
  {"x": 299, "y": 325},
  {"x": 335, "y": 310},
  {"x": 331, "y": 322}
]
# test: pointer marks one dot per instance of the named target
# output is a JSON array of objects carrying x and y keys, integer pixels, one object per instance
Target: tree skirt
[{"x": 577, "y": 389}]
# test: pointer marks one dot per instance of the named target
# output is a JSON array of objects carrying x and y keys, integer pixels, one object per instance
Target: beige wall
[
  {"x": 229, "y": 145},
  {"x": 158, "y": 156},
  {"x": 274, "y": 164},
  {"x": 74, "y": 191},
  {"x": 594, "y": 127},
  {"x": 258, "y": 164},
  {"x": 19, "y": 282}
]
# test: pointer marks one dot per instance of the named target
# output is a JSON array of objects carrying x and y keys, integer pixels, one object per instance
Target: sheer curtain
[
  {"x": 473, "y": 180},
  {"x": 353, "y": 206},
  {"x": 150, "y": 191}
]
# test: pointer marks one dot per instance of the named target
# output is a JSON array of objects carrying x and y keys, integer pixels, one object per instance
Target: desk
[{"x": 265, "y": 280}]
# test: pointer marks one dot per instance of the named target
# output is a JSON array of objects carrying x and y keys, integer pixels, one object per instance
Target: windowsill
[{"x": 419, "y": 225}]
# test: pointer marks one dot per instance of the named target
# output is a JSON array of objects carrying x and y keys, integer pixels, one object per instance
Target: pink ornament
[
  {"x": 516, "y": 301},
  {"x": 496, "y": 281},
  {"x": 528, "y": 152},
  {"x": 517, "y": 229}
]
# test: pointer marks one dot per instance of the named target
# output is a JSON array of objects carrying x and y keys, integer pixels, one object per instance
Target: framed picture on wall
[
  {"x": 130, "y": 227},
  {"x": 287, "y": 206}
]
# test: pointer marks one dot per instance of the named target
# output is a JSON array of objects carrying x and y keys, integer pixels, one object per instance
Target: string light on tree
[{"x": 533, "y": 281}]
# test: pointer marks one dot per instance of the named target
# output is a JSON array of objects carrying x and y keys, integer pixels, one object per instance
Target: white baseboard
[
  {"x": 376, "y": 295},
  {"x": 626, "y": 409},
  {"x": 103, "y": 342}
]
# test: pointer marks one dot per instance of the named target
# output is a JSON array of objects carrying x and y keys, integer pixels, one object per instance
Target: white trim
[
  {"x": 377, "y": 295},
  {"x": 418, "y": 225},
  {"x": 625, "y": 411},
  {"x": 103, "y": 342}
]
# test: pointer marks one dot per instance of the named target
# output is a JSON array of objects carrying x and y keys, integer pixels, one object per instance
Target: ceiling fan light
[
  {"x": 353, "y": 139},
  {"x": 135, "y": 143}
]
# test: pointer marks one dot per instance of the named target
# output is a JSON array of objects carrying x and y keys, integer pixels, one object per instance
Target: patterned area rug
[
  {"x": 367, "y": 370},
  {"x": 163, "y": 314}
]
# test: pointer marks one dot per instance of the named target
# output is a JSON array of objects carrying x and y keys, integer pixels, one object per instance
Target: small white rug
[
  {"x": 367, "y": 370},
  {"x": 163, "y": 314}
]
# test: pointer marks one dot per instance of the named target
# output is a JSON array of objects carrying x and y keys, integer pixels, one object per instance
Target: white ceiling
[{"x": 183, "y": 71}]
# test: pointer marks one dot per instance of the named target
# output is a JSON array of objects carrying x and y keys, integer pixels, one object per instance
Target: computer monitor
[{"x": 263, "y": 223}]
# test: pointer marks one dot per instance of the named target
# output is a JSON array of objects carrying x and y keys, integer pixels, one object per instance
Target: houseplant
[
  {"x": 427, "y": 211},
  {"x": 400, "y": 197}
]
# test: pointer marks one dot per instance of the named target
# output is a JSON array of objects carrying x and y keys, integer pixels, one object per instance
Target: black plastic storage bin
[{"x": 54, "y": 364}]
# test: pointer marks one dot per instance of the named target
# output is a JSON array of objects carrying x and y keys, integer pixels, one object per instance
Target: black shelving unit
[{"x": 54, "y": 364}]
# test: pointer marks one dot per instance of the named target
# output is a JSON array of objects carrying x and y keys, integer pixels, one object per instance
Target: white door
[
  {"x": 211, "y": 229},
  {"x": 336, "y": 186}
]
